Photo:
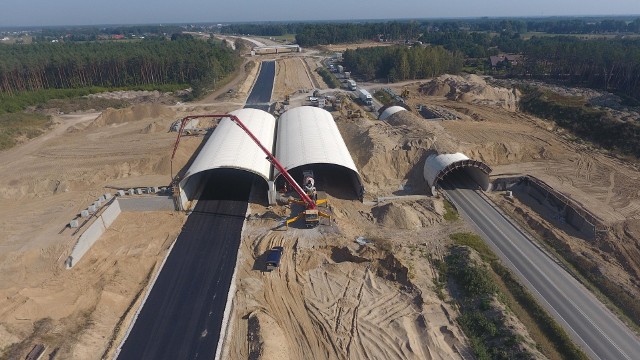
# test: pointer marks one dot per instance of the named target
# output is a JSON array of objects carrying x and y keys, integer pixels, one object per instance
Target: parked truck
[
  {"x": 365, "y": 96},
  {"x": 351, "y": 85}
]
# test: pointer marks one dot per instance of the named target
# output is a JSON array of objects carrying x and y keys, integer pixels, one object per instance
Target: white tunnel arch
[
  {"x": 437, "y": 166},
  {"x": 390, "y": 111},
  {"x": 309, "y": 135},
  {"x": 229, "y": 147}
]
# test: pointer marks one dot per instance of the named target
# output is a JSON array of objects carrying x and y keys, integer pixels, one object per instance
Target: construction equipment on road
[{"x": 311, "y": 213}]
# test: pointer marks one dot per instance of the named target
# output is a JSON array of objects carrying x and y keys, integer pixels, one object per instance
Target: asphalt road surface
[
  {"x": 182, "y": 317},
  {"x": 260, "y": 97},
  {"x": 600, "y": 333}
]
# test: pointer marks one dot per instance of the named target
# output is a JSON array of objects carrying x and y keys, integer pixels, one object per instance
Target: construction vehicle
[
  {"x": 405, "y": 93},
  {"x": 311, "y": 213},
  {"x": 353, "y": 114},
  {"x": 273, "y": 258}
]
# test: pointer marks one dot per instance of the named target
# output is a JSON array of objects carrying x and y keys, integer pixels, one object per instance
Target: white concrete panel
[
  {"x": 390, "y": 111},
  {"x": 110, "y": 214},
  {"x": 309, "y": 135},
  {"x": 86, "y": 241},
  {"x": 435, "y": 163},
  {"x": 230, "y": 147}
]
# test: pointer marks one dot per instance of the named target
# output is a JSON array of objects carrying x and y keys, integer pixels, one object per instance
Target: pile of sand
[
  {"x": 407, "y": 215},
  {"x": 471, "y": 89},
  {"x": 133, "y": 113}
]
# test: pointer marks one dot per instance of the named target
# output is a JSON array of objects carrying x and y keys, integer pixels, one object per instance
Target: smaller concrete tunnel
[{"x": 437, "y": 167}]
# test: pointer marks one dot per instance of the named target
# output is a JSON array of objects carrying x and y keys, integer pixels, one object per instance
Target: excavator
[{"x": 311, "y": 212}]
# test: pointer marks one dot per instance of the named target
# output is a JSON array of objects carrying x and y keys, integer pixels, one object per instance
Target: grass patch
[
  {"x": 450, "y": 212},
  {"x": 83, "y": 104},
  {"x": 383, "y": 97},
  {"x": 586, "y": 122},
  {"x": 286, "y": 37},
  {"x": 480, "y": 319},
  {"x": 329, "y": 78},
  {"x": 21, "y": 100},
  {"x": 20, "y": 125},
  {"x": 548, "y": 327}
]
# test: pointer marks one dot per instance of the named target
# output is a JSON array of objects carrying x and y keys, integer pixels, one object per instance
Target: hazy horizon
[{"x": 38, "y": 13}]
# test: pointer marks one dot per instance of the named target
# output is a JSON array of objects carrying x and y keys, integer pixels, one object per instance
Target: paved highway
[
  {"x": 260, "y": 97},
  {"x": 600, "y": 333},
  {"x": 182, "y": 316}
]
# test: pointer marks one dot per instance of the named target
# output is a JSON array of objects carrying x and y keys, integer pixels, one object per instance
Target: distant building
[{"x": 510, "y": 58}]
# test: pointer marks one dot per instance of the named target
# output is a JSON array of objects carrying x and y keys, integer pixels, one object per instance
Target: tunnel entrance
[
  {"x": 455, "y": 170},
  {"x": 461, "y": 178},
  {"x": 225, "y": 184},
  {"x": 335, "y": 180}
]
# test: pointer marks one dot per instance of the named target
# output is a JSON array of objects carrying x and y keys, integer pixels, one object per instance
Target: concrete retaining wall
[
  {"x": 109, "y": 215},
  {"x": 566, "y": 210},
  {"x": 93, "y": 233}
]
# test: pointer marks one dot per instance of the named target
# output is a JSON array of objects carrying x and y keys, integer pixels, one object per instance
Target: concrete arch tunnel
[
  {"x": 307, "y": 139},
  {"x": 437, "y": 167},
  {"x": 230, "y": 158}
]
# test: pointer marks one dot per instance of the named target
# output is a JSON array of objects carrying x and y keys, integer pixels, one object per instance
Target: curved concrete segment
[
  {"x": 390, "y": 111},
  {"x": 437, "y": 166},
  {"x": 308, "y": 135},
  {"x": 230, "y": 148}
]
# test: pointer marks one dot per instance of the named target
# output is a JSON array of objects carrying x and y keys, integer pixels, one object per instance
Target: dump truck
[{"x": 365, "y": 96}]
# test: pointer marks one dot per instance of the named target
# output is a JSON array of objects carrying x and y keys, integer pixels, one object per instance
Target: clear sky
[{"x": 90, "y": 12}]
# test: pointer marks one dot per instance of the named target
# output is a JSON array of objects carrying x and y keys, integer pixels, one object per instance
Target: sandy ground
[
  {"x": 332, "y": 298},
  {"x": 44, "y": 184}
]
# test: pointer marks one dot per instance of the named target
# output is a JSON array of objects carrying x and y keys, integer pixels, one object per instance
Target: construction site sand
[
  {"x": 43, "y": 185},
  {"x": 332, "y": 298}
]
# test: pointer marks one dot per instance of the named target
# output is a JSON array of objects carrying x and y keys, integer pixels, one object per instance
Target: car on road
[{"x": 273, "y": 257}]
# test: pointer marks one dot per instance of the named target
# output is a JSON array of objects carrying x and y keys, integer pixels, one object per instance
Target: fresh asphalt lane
[
  {"x": 182, "y": 316},
  {"x": 599, "y": 332},
  {"x": 260, "y": 97}
]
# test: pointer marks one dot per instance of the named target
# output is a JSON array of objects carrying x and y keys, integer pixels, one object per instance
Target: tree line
[
  {"x": 335, "y": 33},
  {"x": 113, "y": 64},
  {"x": 611, "y": 65},
  {"x": 608, "y": 64},
  {"x": 398, "y": 63},
  {"x": 93, "y": 33}
]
